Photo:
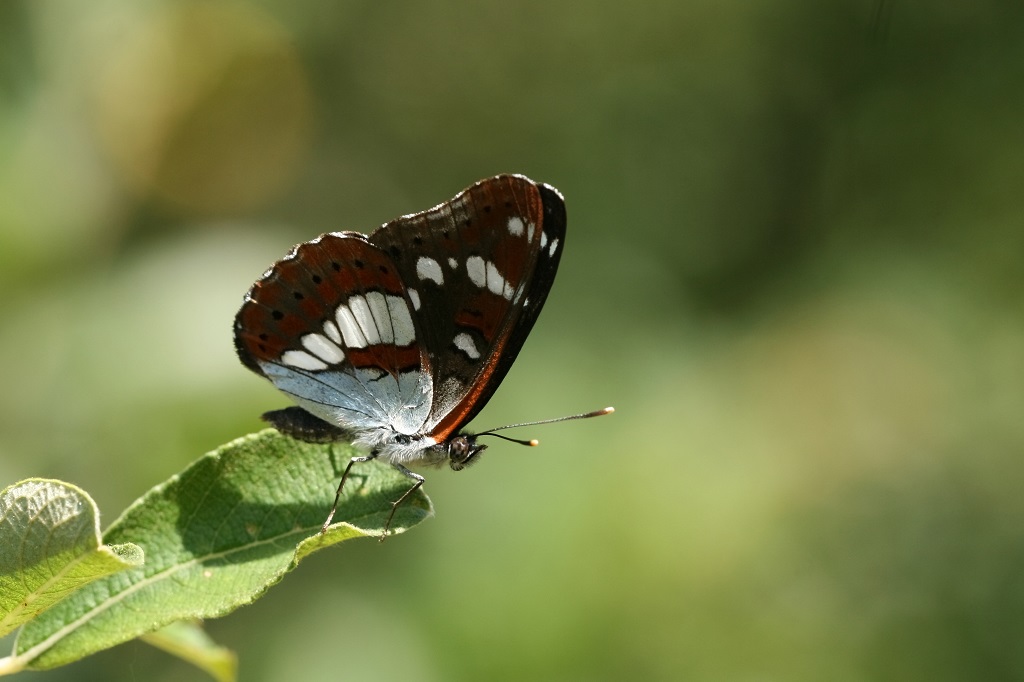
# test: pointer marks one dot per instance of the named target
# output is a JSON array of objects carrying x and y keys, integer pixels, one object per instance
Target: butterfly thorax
[{"x": 418, "y": 450}]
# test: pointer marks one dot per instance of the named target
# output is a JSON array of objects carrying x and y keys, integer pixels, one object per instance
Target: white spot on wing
[
  {"x": 331, "y": 330},
  {"x": 543, "y": 239},
  {"x": 529, "y": 232},
  {"x": 349, "y": 328},
  {"x": 464, "y": 342},
  {"x": 551, "y": 249},
  {"x": 401, "y": 321},
  {"x": 302, "y": 360},
  {"x": 322, "y": 347},
  {"x": 515, "y": 226},
  {"x": 428, "y": 268},
  {"x": 452, "y": 263},
  {"x": 496, "y": 284},
  {"x": 476, "y": 269},
  {"x": 364, "y": 318},
  {"x": 378, "y": 305},
  {"x": 414, "y": 296}
]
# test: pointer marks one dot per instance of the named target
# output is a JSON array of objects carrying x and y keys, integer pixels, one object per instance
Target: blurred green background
[{"x": 795, "y": 267}]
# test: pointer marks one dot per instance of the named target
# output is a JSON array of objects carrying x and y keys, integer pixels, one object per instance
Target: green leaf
[
  {"x": 50, "y": 535},
  {"x": 188, "y": 640},
  {"x": 216, "y": 537}
]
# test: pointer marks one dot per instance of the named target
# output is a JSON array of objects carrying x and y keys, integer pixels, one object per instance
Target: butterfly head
[{"x": 463, "y": 450}]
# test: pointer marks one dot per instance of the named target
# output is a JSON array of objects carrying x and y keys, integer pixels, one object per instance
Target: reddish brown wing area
[{"x": 303, "y": 290}]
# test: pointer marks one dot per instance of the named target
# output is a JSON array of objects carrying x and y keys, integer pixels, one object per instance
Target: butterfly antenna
[{"x": 533, "y": 441}]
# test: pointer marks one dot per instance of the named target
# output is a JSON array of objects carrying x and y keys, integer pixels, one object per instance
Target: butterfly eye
[
  {"x": 403, "y": 439},
  {"x": 463, "y": 451}
]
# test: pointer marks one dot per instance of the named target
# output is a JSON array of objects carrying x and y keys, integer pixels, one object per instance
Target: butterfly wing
[
  {"x": 478, "y": 269},
  {"x": 331, "y": 325}
]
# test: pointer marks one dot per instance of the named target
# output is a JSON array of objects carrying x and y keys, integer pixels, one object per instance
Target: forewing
[
  {"x": 478, "y": 269},
  {"x": 331, "y": 325}
]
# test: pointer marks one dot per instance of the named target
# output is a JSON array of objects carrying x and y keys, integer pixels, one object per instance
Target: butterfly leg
[
  {"x": 394, "y": 506},
  {"x": 337, "y": 495}
]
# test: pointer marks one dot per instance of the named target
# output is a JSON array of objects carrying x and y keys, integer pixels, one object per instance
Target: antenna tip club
[{"x": 533, "y": 442}]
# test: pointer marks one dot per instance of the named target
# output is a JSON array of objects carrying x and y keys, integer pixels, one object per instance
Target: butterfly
[{"x": 395, "y": 341}]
